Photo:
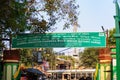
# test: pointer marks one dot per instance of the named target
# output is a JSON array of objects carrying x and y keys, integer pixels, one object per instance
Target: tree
[
  {"x": 89, "y": 57},
  {"x": 29, "y": 57},
  {"x": 68, "y": 58},
  {"x": 26, "y": 57},
  {"x": 45, "y": 13},
  {"x": 111, "y": 38},
  {"x": 35, "y": 16},
  {"x": 12, "y": 19}
]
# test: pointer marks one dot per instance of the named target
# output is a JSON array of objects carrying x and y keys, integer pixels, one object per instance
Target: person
[
  {"x": 68, "y": 77},
  {"x": 82, "y": 78},
  {"x": 89, "y": 77},
  {"x": 40, "y": 78}
]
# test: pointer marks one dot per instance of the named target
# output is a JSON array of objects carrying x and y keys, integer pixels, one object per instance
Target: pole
[
  {"x": 106, "y": 33},
  {"x": 75, "y": 30},
  {"x": 117, "y": 36},
  {"x": 75, "y": 51},
  {"x": 1, "y": 62}
]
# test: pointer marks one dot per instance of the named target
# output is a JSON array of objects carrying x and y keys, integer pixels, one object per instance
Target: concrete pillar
[
  {"x": 10, "y": 59},
  {"x": 105, "y": 64},
  {"x": 113, "y": 67}
]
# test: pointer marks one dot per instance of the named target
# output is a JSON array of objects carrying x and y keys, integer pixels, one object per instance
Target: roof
[{"x": 67, "y": 71}]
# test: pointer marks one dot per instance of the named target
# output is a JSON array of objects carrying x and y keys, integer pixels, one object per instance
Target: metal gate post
[{"x": 117, "y": 36}]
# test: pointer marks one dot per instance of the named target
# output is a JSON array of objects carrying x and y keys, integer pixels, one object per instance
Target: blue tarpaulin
[{"x": 35, "y": 71}]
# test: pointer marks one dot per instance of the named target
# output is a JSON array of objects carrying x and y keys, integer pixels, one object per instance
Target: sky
[
  {"x": 96, "y": 13},
  {"x": 93, "y": 15}
]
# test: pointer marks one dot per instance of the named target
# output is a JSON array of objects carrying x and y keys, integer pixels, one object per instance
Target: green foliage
[
  {"x": 89, "y": 57},
  {"x": 68, "y": 58},
  {"x": 26, "y": 57},
  {"x": 49, "y": 12},
  {"x": 47, "y": 54},
  {"x": 12, "y": 17},
  {"x": 111, "y": 38},
  {"x": 35, "y": 16},
  {"x": 29, "y": 56}
]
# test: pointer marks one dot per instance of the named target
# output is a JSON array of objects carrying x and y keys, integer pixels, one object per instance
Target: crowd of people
[{"x": 86, "y": 78}]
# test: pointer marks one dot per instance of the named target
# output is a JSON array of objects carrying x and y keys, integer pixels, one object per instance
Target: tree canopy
[
  {"x": 69, "y": 58},
  {"x": 111, "y": 38},
  {"x": 12, "y": 18},
  {"x": 35, "y": 16},
  {"x": 46, "y": 13},
  {"x": 89, "y": 57}
]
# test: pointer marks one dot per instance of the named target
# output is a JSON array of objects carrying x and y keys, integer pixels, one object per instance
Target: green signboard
[{"x": 83, "y": 39}]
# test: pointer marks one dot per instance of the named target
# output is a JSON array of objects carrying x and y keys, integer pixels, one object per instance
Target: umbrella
[{"x": 35, "y": 71}]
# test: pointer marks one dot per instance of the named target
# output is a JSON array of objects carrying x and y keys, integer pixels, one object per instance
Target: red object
[
  {"x": 104, "y": 54},
  {"x": 23, "y": 78},
  {"x": 11, "y": 55}
]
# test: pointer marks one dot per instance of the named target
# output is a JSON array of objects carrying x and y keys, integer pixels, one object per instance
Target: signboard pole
[{"x": 75, "y": 50}]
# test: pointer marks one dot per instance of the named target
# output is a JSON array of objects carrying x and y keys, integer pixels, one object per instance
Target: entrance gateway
[{"x": 50, "y": 40}]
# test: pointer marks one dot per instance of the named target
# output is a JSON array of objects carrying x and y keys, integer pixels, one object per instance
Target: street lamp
[{"x": 106, "y": 33}]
